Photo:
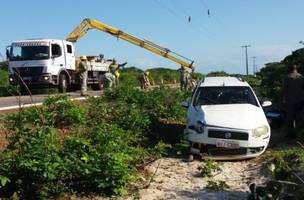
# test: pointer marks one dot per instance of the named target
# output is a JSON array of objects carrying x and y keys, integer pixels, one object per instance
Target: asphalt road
[{"x": 12, "y": 102}]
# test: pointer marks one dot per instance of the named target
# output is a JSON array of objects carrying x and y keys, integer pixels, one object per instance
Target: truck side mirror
[{"x": 7, "y": 52}]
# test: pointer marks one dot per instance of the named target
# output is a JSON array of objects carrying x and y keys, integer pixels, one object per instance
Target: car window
[{"x": 224, "y": 95}]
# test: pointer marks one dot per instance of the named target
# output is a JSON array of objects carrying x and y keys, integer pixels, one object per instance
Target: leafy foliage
[
  {"x": 209, "y": 168},
  {"x": 129, "y": 76},
  {"x": 56, "y": 111},
  {"x": 273, "y": 73},
  {"x": 106, "y": 141},
  {"x": 217, "y": 73},
  {"x": 286, "y": 173},
  {"x": 216, "y": 185}
]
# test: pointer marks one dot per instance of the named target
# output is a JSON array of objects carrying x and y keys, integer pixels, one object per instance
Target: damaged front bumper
[{"x": 225, "y": 144}]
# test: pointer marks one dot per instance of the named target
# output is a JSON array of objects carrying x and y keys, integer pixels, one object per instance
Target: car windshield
[
  {"x": 224, "y": 95},
  {"x": 29, "y": 53}
]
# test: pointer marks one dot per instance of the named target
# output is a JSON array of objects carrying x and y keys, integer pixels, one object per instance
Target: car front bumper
[
  {"x": 213, "y": 148},
  {"x": 43, "y": 79}
]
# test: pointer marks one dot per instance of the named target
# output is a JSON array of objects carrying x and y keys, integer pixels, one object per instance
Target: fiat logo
[{"x": 227, "y": 135}]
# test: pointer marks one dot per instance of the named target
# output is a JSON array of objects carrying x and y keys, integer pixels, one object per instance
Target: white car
[{"x": 225, "y": 120}]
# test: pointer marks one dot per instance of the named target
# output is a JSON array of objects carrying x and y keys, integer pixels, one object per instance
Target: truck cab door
[
  {"x": 57, "y": 57},
  {"x": 70, "y": 56}
]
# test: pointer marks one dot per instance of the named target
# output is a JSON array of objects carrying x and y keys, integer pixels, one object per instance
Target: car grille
[
  {"x": 29, "y": 71},
  {"x": 227, "y": 152},
  {"x": 225, "y": 134}
]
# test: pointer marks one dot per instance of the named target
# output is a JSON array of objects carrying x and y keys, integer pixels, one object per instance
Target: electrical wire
[
  {"x": 211, "y": 13},
  {"x": 187, "y": 14},
  {"x": 176, "y": 14}
]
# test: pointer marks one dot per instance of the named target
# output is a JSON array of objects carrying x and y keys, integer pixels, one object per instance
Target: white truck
[{"x": 51, "y": 62}]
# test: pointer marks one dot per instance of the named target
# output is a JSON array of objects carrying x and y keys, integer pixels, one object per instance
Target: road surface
[{"x": 12, "y": 102}]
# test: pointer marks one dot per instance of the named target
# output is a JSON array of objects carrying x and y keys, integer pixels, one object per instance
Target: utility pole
[
  {"x": 254, "y": 66},
  {"x": 246, "y": 46}
]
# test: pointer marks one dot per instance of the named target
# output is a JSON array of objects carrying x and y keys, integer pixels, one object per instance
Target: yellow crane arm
[{"x": 88, "y": 24}]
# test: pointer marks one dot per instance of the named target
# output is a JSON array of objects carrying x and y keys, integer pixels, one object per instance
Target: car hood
[{"x": 238, "y": 116}]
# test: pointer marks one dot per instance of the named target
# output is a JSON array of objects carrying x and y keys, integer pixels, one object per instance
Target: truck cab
[{"x": 40, "y": 61}]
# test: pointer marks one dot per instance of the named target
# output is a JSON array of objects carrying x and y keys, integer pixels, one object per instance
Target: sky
[{"x": 272, "y": 28}]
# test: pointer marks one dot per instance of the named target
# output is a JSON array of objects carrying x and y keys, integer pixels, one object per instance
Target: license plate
[
  {"x": 27, "y": 78},
  {"x": 227, "y": 144}
]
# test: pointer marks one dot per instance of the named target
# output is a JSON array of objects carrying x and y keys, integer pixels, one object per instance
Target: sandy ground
[{"x": 177, "y": 179}]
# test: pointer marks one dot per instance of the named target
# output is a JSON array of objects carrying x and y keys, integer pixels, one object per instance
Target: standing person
[
  {"x": 83, "y": 74},
  {"x": 144, "y": 80},
  {"x": 184, "y": 78},
  {"x": 114, "y": 69},
  {"x": 292, "y": 97}
]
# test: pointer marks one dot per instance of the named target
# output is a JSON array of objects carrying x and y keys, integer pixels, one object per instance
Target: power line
[
  {"x": 211, "y": 13},
  {"x": 187, "y": 14},
  {"x": 173, "y": 12}
]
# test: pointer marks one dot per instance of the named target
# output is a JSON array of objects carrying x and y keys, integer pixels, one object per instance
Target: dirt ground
[{"x": 177, "y": 179}]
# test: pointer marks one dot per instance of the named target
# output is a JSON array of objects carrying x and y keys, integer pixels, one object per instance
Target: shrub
[
  {"x": 33, "y": 165},
  {"x": 57, "y": 111},
  {"x": 216, "y": 185},
  {"x": 209, "y": 168},
  {"x": 107, "y": 141},
  {"x": 286, "y": 177}
]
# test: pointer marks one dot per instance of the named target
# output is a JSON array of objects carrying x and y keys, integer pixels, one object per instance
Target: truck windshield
[
  {"x": 224, "y": 95},
  {"x": 29, "y": 53}
]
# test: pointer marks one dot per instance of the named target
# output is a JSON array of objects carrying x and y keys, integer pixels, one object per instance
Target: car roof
[{"x": 223, "y": 81}]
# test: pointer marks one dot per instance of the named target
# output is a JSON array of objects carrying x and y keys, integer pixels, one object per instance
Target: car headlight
[
  {"x": 200, "y": 127},
  {"x": 260, "y": 131}
]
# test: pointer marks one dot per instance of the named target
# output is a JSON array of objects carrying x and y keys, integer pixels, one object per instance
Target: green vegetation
[
  {"x": 208, "y": 168},
  {"x": 286, "y": 177},
  {"x": 5, "y": 88},
  {"x": 129, "y": 76},
  {"x": 216, "y": 185},
  {"x": 94, "y": 147},
  {"x": 273, "y": 73},
  {"x": 168, "y": 76}
]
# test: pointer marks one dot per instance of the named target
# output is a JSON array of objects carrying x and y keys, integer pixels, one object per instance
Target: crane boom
[{"x": 88, "y": 24}]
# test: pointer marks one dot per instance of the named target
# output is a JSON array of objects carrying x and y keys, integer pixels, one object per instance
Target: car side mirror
[
  {"x": 266, "y": 103},
  {"x": 185, "y": 104}
]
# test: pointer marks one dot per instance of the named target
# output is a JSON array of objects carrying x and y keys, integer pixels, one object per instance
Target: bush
[
  {"x": 286, "y": 177},
  {"x": 209, "y": 168},
  {"x": 57, "y": 111},
  {"x": 107, "y": 142},
  {"x": 33, "y": 165}
]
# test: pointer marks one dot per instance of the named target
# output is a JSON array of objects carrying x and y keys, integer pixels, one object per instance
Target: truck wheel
[{"x": 63, "y": 83}]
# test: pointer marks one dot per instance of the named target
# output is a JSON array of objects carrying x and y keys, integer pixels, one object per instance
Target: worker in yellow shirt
[{"x": 114, "y": 69}]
